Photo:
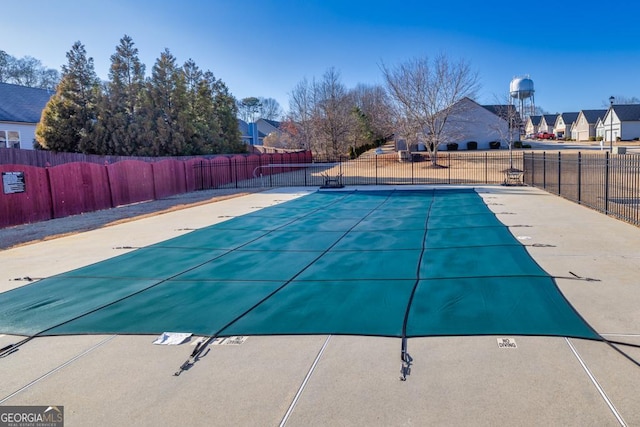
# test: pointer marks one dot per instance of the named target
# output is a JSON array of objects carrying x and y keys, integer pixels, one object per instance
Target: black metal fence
[
  {"x": 477, "y": 167},
  {"x": 609, "y": 183}
]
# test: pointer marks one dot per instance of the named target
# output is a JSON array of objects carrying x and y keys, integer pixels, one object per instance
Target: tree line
[
  {"x": 27, "y": 71},
  {"x": 331, "y": 120},
  {"x": 414, "y": 104},
  {"x": 182, "y": 110},
  {"x": 176, "y": 111}
]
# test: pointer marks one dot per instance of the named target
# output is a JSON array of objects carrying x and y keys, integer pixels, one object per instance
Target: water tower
[{"x": 521, "y": 90}]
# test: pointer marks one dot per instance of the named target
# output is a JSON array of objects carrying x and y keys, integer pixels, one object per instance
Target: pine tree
[
  {"x": 68, "y": 120},
  {"x": 197, "y": 109},
  {"x": 118, "y": 128},
  {"x": 229, "y": 139},
  {"x": 166, "y": 119}
]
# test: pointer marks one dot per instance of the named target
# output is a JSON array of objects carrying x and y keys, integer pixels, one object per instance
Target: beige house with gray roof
[
  {"x": 584, "y": 128},
  {"x": 563, "y": 123}
]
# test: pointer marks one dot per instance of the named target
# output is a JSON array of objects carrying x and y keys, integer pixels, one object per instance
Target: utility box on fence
[{"x": 619, "y": 150}]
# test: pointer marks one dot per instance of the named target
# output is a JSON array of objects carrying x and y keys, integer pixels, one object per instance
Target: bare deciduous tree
[
  {"x": 619, "y": 99},
  {"x": 329, "y": 120},
  {"x": 270, "y": 109},
  {"x": 27, "y": 71},
  {"x": 424, "y": 93},
  {"x": 302, "y": 104},
  {"x": 333, "y": 120}
]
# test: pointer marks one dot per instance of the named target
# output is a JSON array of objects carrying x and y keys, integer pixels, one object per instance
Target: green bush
[
  {"x": 472, "y": 145},
  {"x": 452, "y": 146},
  {"x": 526, "y": 145},
  {"x": 355, "y": 152},
  {"x": 517, "y": 144},
  {"x": 494, "y": 145},
  {"x": 592, "y": 138}
]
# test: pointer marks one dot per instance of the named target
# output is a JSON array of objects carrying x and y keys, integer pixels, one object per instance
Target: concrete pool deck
[{"x": 349, "y": 380}]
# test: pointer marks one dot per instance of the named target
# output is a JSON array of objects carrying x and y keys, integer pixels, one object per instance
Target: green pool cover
[{"x": 384, "y": 263}]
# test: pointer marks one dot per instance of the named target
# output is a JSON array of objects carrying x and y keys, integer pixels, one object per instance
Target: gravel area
[{"x": 45, "y": 230}]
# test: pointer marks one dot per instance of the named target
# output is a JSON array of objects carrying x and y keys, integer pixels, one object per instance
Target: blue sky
[{"x": 577, "y": 53}]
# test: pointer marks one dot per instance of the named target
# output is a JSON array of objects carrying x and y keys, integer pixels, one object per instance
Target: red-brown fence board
[
  {"x": 265, "y": 159},
  {"x": 252, "y": 165},
  {"x": 32, "y": 205},
  {"x": 286, "y": 159},
  {"x": 303, "y": 156},
  {"x": 79, "y": 187},
  {"x": 238, "y": 169},
  {"x": 221, "y": 167},
  {"x": 168, "y": 178},
  {"x": 44, "y": 158},
  {"x": 84, "y": 183},
  {"x": 276, "y": 159},
  {"x": 192, "y": 175},
  {"x": 131, "y": 181}
]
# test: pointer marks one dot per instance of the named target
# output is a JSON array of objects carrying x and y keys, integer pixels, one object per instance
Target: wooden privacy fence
[
  {"x": 32, "y": 193},
  {"x": 44, "y": 158}
]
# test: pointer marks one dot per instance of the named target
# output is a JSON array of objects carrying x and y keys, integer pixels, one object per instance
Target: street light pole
[{"x": 611, "y": 99}]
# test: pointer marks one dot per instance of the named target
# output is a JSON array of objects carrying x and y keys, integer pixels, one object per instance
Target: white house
[
  {"x": 547, "y": 121},
  {"x": 531, "y": 125},
  {"x": 621, "y": 122},
  {"x": 20, "y": 111},
  {"x": 563, "y": 123},
  {"x": 584, "y": 128},
  {"x": 599, "y": 128},
  {"x": 469, "y": 121}
]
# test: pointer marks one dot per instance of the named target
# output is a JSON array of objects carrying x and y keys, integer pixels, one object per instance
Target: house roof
[
  {"x": 505, "y": 112},
  {"x": 535, "y": 120},
  {"x": 550, "y": 118},
  {"x": 244, "y": 127},
  {"x": 21, "y": 103},
  {"x": 627, "y": 112},
  {"x": 501, "y": 110},
  {"x": 592, "y": 116},
  {"x": 569, "y": 118},
  {"x": 273, "y": 123}
]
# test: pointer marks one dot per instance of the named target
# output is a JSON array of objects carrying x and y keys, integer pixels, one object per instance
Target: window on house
[
  {"x": 13, "y": 139},
  {"x": 3, "y": 139}
]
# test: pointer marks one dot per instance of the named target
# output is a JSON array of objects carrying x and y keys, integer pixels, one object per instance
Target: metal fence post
[
  {"x": 486, "y": 168},
  {"x": 376, "y": 166},
  {"x": 544, "y": 170},
  {"x": 235, "y": 167},
  {"x": 412, "y": 181},
  {"x": 579, "y": 177},
  {"x": 448, "y": 168},
  {"x": 559, "y": 172},
  {"x": 606, "y": 184},
  {"x": 271, "y": 177},
  {"x": 201, "y": 174}
]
